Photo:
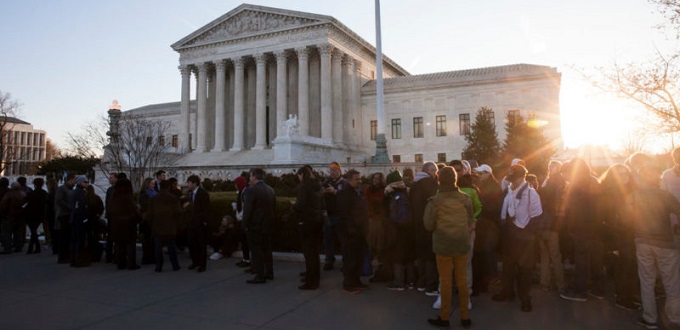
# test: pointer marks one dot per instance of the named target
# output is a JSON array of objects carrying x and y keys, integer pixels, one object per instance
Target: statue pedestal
[{"x": 301, "y": 150}]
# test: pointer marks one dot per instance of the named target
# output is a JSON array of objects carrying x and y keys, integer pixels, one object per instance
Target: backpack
[{"x": 400, "y": 208}]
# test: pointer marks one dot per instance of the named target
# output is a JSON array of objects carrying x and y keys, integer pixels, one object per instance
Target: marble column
[
  {"x": 202, "y": 107},
  {"x": 356, "y": 102},
  {"x": 303, "y": 90},
  {"x": 281, "y": 89},
  {"x": 347, "y": 115},
  {"x": 185, "y": 119},
  {"x": 337, "y": 121},
  {"x": 239, "y": 123},
  {"x": 260, "y": 102},
  {"x": 326, "y": 100},
  {"x": 220, "y": 118},
  {"x": 194, "y": 127}
]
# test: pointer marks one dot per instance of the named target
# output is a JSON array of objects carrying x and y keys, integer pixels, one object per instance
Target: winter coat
[
  {"x": 449, "y": 215},
  {"x": 309, "y": 202},
  {"x": 164, "y": 213},
  {"x": 124, "y": 217}
]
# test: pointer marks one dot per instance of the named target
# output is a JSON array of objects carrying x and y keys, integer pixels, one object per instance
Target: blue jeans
[
  {"x": 169, "y": 241},
  {"x": 330, "y": 235}
]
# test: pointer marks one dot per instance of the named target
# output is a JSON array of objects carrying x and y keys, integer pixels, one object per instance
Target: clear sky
[{"x": 66, "y": 60}]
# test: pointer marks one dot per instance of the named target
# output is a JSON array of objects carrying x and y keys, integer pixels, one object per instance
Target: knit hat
[
  {"x": 240, "y": 183},
  {"x": 81, "y": 179},
  {"x": 447, "y": 177},
  {"x": 394, "y": 176}
]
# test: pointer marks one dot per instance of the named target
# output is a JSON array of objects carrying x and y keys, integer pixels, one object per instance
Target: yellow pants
[{"x": 445, "y": 266}]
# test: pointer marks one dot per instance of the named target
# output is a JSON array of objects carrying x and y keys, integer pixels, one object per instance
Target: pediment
[{"x": 246, "y": 21}]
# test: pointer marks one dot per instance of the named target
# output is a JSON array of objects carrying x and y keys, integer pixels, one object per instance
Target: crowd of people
[{"x": 427, "y": 230}]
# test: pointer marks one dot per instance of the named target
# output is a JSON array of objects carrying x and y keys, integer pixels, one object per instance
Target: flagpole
[{"x": 381, "y": 156}]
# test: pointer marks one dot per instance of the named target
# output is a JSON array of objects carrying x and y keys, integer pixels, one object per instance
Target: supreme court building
[{"x": 280, "y": 87}]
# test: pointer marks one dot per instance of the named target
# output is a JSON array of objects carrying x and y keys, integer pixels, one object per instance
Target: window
[
  {"x": 23, "y": 137},
  {"x": 396, "y": 159},
  {"x": 190, "y": 141},
  {"x": 418, "y": 127},
  {"x": 374, "y": 129},
  {"x": 441, "y": 125},
  {"x": 175, "y": 143},
  {"x": 513, "y": 116},
  {"x": 161, "y": 140},
  {"x": 396, "y": 128},
  {"x": 490, "y": 117},
  {"x": 464, "y": 122},
  {"x": 149, "y": 140},
  {"x": 419, "y": 158},
  {"x": 441, "y": 157}
]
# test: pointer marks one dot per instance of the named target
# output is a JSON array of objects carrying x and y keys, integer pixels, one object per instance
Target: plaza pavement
[{"x": 38, "y": 293}]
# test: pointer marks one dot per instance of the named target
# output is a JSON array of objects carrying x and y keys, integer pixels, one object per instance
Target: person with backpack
[
  {"x": 402, "y": 251},
  {"x": 378, "y": 226}
]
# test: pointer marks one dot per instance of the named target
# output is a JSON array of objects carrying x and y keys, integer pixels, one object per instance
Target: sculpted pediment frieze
[{"x": 248, "y": 23}]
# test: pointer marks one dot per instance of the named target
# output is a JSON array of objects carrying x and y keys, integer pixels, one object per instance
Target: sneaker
[
  {"x": 438, "y": 322},
  {"x": 216, "y": 256},
  {"x": 648, "y": 325},
  {"x": 411, "y": 286},
  {"x": 438, "y": 303},
  {"x": 432, "y": 293},
  {"x": 626, "y": 304},
  {"x": 580, "y": 297},
  {"x": 597, "y": 294},
  {"x": 394, "y": 287},
  {"x": 421, "y": 289}
]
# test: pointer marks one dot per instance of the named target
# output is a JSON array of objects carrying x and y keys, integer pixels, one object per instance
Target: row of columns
[{"x": 338, "y": 97}]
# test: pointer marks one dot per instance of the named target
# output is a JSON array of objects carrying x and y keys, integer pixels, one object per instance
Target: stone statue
[{"x": 291, "y": 126}]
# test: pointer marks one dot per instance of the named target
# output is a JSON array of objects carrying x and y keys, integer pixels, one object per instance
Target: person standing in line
[
  {"x": 670, "y": 181},
  {"x": 401, "y": 251},
  {"x": 160, "y": 177},
  {"x": 487, "y": 237},
  {"x": 449, "y": 216},
  {"x": 147, "y": 192},
  {"x": 78, "y": 222},
  {"x": 378, "y": 227},
  {"x": 164, "y": 213},
  {"x": 649, "y": 208},
  {"x": 331, "y": 230},
  {"x": 11, "y": 210},
  {"x": 124, "y": 217},
  {"x": 353, "y": 213},
  {"x": 50, "y": 215},
  {"x": 309, "y": 208},
  {"x": 424, "y": 187},
  {"x": 258, "y": 217},
  {"x": 113, "y": 177},
  {"x": 63, "y": 211},
  {"x": 521, "y": 204},
  {"x": 241, "y": 186},
  {"x": 35, "y": 209},
  {"x": 199, "y": 210},
  {"x": 552, "y": 194},
  {"x": 5, "y": 225},
  {"x": 95, "y": 209}
]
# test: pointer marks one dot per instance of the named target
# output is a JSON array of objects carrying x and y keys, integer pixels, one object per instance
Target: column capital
[
  {"x": 281, "y": 56},
  {"x": 202, "y": 67},
  {"x": 239, "y": 62},
  {"x": 347, "y": 60},
  {"x": 357, "y": 65},
  {"x": 260, "y": 58},
  {"x": 221, "y": 65},
  {"x": 325, "y": 49},
  {"x": 185, "y": 70},
  {"x": 194, "y": 70},
  {"x": 302, "y": 52},
  {"x": 337, "y": 54}
]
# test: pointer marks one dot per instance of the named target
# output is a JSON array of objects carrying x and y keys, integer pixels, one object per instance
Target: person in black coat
[
  {"x": 163, "y": 213},
  {"x": 309, "y": 206},
  {"x": 353, "y": 213},
  {"x": 198, "y": 210},
  {"x": 78, "y": 221},
  {"x": 258, "y": 217},
  {"x": 35, "y": 209},
  {"x": 124, "y": 215},
  {"x": 424, "y": 187}
]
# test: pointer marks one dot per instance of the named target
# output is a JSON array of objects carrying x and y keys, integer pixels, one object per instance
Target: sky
[{"x": 65, "y": 61}]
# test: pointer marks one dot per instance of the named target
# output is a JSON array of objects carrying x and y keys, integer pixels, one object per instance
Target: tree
[
  {"x": 125, "y": 143},
  {"x": 70, "y": 163},
  {"x": 482, "y": 140},
  {"x": 525, "y": 139},
  {"x": 9, "y": 110},
  {"x": 51, "y": 150},
  {"x": 670, "y": 9}
]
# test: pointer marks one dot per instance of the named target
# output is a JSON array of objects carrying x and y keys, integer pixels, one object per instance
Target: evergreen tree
[
  {"x": 524, "y": 139},
  {"x": 482, "y": 140}
]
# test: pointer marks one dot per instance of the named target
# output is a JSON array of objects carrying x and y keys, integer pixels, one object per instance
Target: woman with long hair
[
  {"x": 309, "y": 207},
  {"x": 375, "y": 201},
  {"x": 95, "y": 209},
  {"x": 125, "y": 216}
]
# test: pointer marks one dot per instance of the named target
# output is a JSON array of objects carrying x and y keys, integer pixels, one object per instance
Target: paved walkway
[{"x": 38, "y": 293}]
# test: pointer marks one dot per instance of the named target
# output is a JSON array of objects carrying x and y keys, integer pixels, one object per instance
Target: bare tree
[
  {"x": 634, "y": 142},
  {"x": 133, "y": 145},
  {"x": 670, "y": 9},
  {"x": 9, "y": 111},
  {"x": 51, "y": 150}
]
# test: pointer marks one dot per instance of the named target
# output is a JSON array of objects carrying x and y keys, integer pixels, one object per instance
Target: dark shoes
[
  {"x": 192, "y": 266},
  {"x": 256, "y": 281},
  {"x": 135, "y": 267},
  {"x": 308, "y": 286},
  {"x": 466, "y": 323},
  {"x": 502, "y": 297},
  {"x": 328, "y": 267},
  {"x": 526, "y": 306},
  {"x": 243, "y": 263},
  {"x": 200, "y": 269},
  {"x": 158, "y": 269},
  {"x": 303, "y": 274},
  {"x": 438, "y": 322},
  {"x": 174, "y": 269}
]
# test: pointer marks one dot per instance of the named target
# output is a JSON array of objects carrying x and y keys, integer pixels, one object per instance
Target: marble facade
[{"x": 276, "y": 87}]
